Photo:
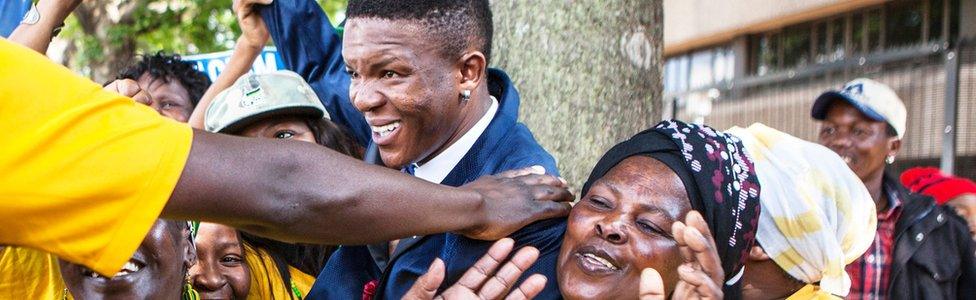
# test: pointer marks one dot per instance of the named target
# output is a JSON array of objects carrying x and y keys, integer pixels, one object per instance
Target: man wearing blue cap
[{"x": 921, "y": 250}]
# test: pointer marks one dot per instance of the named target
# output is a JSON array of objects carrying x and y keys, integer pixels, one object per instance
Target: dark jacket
[
  {"x": 934, "y": 254},
  {"x": 504, "y": 145},
  {"x": 309, "y": 46}
]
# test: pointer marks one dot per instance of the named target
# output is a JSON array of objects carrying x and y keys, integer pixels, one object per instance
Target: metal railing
[{"x": 936, "y": 82}]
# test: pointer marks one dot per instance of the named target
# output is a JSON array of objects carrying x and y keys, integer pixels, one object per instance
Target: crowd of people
[{"x": 163, "y": 185}]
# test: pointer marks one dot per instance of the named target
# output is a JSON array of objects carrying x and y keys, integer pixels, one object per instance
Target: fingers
[
  {"x": 695, "y": 219},
  {"x": 549, "y": 210},
  {"x": 130, "y": 88},
  {"x": 426, "y": 285},
  {"x": 651, "y": 285},
  {"x": 678, "y": 232},
  {"x": 533, "y": 170},
  {"x": 541, "y": 179},
  {"x": 702, "y": 283},
  {"x": 503, "y": 280},
  {"x": 703, "y": 247},
  {"x": 529, "y": 289},
  {"x": 551, "y": 193},
  {"x": 484, "y": 267}
]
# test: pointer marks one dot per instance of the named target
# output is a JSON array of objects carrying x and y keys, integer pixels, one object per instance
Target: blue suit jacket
[{"x": 309, "y": 46}]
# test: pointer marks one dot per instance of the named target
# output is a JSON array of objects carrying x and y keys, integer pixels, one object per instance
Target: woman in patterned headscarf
[
  {"x": 631, "y": 222},
  {"x": 626, "y": 234},
  {"x": 638, "y": 191}
]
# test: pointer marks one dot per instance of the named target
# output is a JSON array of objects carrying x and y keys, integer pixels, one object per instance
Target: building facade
[{"x": 732, "y": 63}]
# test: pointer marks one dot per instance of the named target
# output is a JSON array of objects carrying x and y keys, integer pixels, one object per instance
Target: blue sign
[
  {"x": 214, "y": 63},
  {"x": 11, "y": 12}
]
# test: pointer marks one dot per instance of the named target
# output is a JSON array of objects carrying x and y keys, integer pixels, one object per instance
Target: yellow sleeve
[{"x": 84, "y": 173}]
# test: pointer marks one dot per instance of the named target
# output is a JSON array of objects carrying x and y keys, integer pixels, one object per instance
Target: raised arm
[
  {"x": 36, "y": 33},
  {"x": 295, "y": 191},
  {"x": 310, "y": 46},
  {"x": 249, "y": 45}
]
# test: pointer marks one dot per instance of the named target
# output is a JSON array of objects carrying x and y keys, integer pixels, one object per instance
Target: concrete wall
[{"x": 690, "y": 24}]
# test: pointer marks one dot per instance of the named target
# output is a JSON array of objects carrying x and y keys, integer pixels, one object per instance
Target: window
[
  {"x": 699, "y": 69},
  {"x": 903, "y": 24},
  {"x": 896, "y": 24}
]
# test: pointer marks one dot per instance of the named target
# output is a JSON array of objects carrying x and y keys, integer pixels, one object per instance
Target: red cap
[{"x": 931, "y": 182}]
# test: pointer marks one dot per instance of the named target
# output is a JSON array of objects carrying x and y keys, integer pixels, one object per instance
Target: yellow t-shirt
[
  {"x": 30, "y": 274},
  {"x": 84, "y": 173},
  {"x": 266, "y": 283}
]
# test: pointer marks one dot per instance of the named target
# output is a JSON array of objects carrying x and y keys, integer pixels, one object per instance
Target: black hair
[
  {"x": 169, "y": 67},
  {"x": 890, "y": 130},
  {"x": 456, "y": 24},
  {"x": 335, "y": 137}
]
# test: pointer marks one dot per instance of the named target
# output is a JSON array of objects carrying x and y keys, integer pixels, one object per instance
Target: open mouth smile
[{"x": 595, "y": 261}]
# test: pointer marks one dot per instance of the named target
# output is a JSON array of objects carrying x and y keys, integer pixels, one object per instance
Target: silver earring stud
[
  {"x": 890, "y": 159},
  {"x": 465, "y": 95}
]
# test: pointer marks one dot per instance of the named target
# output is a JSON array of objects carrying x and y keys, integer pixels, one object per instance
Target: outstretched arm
[
  {"x": 253, "y": 38},
  {"x": 310, "y": 46},
  {"x": 295, "y": 191},
  {"x": 37, "y": 35}
]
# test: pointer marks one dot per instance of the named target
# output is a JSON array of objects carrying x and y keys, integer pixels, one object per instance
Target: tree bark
[
  {"x": 588, "y": 71},
  {"x": 117, "y": 51}
]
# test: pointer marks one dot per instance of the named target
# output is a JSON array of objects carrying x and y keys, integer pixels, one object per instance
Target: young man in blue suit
[{"x": 410, "y": 79}]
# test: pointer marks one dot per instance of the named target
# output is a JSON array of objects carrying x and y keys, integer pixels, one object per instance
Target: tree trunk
[
  {"x": 589, "y": 72},
  {"x": 115, "y": 51}
]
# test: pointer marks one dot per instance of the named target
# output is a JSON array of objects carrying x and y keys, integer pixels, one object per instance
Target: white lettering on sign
[{"x": 214, "y": 63}]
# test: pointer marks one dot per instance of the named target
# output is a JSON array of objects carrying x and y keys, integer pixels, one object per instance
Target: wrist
[
  {"x": 476, "y": 218},
  {"x": 248, "y": 44}
]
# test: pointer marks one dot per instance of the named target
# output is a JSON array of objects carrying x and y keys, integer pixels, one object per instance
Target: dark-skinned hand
[
  {"x": 514, "y": 199},
  {"x": 700, "y": 276},
  {"x": 130, "y": 88},
  {"x": 484, "y": 280},
  {"x": 253, "y": 30}
]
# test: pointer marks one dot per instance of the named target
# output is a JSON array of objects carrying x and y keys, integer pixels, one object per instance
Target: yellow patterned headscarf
[
  {"x": 266, "y": 283},
  {"x": 817, "y": 216}
]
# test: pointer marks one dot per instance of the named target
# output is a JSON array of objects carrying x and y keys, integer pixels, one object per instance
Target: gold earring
[{"x": 188, "y": 292}]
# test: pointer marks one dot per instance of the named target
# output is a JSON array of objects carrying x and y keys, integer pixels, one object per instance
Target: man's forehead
[
  {"x": 841, "y": 112},
  {"x": 392, "y": 28}
]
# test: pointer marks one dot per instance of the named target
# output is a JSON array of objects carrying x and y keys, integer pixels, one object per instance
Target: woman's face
[
  {"x": 170, "y": 97},
  {"x": 155, "y": 271},
  {"x": 621, "y": 226},
  {"x": 220, "y": 272},
  {"x": 293, "y": 128}
]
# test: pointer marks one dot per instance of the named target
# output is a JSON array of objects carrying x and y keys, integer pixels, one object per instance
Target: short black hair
[
  {"x": 169, "y": 67},
  {"x": 458, "y": 24}
]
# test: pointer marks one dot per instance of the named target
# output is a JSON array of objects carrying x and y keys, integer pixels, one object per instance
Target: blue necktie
[{"x": 409, "y": 169}]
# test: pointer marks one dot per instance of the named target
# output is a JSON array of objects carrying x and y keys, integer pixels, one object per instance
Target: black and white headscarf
[{"x": 717, "y": 174}]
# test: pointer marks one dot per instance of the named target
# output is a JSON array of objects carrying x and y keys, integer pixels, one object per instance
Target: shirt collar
[
  {"x": 894, "y": 202},
  {"x": 437, "y": 168}
]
